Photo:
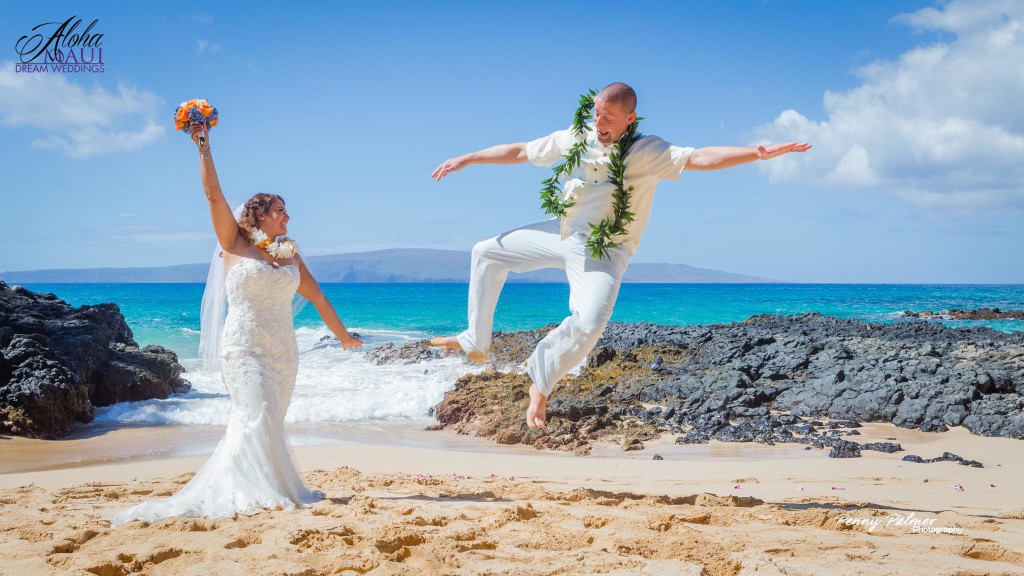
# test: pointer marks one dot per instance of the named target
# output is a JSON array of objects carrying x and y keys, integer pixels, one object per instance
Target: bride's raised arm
[
  {"x": 224, "y": 224},
  {"x": 310, "y": 289}
]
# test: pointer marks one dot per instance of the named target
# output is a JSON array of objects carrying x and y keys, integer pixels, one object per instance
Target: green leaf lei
[{"x": 600, "y": 239}]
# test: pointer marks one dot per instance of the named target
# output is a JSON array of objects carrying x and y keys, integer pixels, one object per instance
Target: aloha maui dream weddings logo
[
  {"x": 66, "y": 50},
  {"x": 909, "y": 522}
]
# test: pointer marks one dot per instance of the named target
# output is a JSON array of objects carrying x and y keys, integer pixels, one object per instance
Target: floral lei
[
  {"x": 600, "y": 239},
  {"x": 282, "y": 247}
]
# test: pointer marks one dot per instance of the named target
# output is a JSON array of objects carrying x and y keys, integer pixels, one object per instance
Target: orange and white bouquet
[{"x": 195, "y": 111}]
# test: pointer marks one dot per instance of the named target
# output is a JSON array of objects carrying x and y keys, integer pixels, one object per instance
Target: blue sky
[{"x": 346, "y": 108}]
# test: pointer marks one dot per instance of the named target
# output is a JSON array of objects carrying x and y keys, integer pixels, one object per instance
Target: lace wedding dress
[{"x": 253, "y": 467}]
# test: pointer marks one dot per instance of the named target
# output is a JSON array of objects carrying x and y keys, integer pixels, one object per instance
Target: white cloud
[
  {"x": 204, "y": 46},
  {"x": 82, "y": 122},
  {"x": 942, "y": 126},
  {"x": 92, "y": 140}
]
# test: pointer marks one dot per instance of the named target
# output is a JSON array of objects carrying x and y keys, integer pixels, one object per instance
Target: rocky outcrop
[
  {"x": 768, "y": 379},
  {"x": 58, "y": 362},
  {"x": 957, "y": 314},
  {"x": 389, "y": 353}
]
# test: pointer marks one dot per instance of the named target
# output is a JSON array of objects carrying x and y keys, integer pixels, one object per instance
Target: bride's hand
[
  {"x": 198, "y": 129},
  {"x": 350, "y": 341}
]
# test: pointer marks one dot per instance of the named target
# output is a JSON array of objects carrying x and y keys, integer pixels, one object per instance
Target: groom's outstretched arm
[
  {"x": 719, "y": 157},
  {"x": 500, "y": 154}
]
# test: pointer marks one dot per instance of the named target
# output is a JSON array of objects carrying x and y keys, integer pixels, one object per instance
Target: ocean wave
[
  {"x": 318, "y": 337},
  {"x": 333, "y": 385}
]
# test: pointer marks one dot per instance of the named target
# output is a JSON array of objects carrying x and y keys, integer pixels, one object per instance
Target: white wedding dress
[{"x": 253, "y": 467}]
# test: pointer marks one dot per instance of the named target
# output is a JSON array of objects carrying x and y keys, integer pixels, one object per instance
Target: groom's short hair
[{"x": 619, "y": 93}]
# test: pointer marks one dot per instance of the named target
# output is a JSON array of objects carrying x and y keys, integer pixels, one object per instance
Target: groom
[{"x": 562, "y": 243}]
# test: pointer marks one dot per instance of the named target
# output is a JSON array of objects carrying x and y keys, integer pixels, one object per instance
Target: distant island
[{"x": 400, "y": 265}]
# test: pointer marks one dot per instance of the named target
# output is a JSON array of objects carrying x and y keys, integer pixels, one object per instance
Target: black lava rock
[
  {"x": 59, "y": 361},
  {"x": 887, "y": 447},
  {"x": 946, "y": 457},
  {"x": 845, "y": 449},
  {"x": 804, "y": 378}
]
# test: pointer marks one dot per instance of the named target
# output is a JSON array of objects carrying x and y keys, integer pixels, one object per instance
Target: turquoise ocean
[{"x": 168, "y": 314}]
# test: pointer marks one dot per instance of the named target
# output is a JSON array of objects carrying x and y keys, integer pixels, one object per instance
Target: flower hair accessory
[
  {"x": 280, "y": 248},
  {"x": 195, "y": 111}
]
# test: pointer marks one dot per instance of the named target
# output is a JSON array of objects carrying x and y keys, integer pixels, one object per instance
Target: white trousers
[{"x": 593, "y": 287}]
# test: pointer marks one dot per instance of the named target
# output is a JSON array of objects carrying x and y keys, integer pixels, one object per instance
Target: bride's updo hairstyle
[{"x": 255, "y": 208}]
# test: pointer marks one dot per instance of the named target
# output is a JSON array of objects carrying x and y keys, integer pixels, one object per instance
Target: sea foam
[{"x": 333, "y": 385}]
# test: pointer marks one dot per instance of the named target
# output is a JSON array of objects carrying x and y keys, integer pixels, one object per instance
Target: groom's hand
[
  {"x": 449, "y": 166},
  {"x": 773, "y": 150}
]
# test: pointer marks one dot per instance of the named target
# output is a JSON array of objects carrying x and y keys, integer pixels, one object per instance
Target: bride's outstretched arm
[
  {"x": 224, "y": 223},
  {"x": 309, "y": 289}
]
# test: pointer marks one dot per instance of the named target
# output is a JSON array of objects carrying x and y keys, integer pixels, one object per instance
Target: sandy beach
[{"x": 717, "y": 509}]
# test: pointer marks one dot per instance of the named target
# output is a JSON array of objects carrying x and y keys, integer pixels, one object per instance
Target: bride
[{"x": 253, "y": 467}]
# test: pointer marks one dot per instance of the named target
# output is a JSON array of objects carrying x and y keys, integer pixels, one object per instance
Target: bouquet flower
[{"x": 195, "y": 111}]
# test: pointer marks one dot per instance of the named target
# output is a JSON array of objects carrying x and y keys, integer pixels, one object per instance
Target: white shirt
[{"x": 650, "y": 159}]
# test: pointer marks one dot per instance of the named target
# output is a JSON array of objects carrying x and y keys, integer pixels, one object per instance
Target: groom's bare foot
[
  {"x": 536, "y": 416},
  {"x": 453, "y": 343}
]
